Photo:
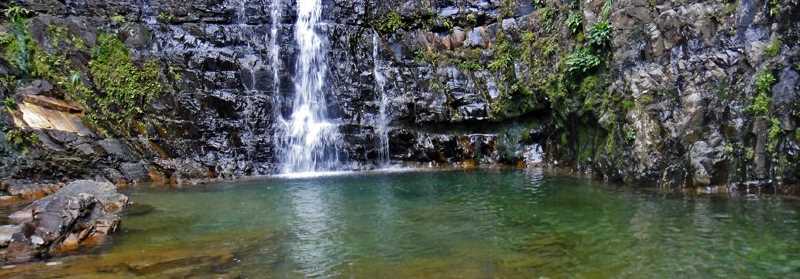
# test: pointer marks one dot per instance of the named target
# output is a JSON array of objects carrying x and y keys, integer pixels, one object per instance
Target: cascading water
[
  {"x": 310, "y": 138},
  {"x": 274, "y": 47},
  {"x": 382, "y": 123}
]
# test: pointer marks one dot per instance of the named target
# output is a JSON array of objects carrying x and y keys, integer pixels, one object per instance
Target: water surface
[{"x": 456, "y": 224}]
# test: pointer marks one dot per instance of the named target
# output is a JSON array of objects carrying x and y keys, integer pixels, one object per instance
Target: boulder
[{"x": 82, "y": 212}]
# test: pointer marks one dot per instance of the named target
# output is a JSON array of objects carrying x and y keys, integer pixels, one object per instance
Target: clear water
[{"x": 479, "y": 224}]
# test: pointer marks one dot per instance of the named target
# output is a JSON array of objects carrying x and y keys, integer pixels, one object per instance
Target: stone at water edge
[{"x": 81, "y": 213}]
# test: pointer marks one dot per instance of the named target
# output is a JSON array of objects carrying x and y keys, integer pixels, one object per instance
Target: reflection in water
[
  {"x": 311, "y": 225},
  {"x": 482, "y": 224}
]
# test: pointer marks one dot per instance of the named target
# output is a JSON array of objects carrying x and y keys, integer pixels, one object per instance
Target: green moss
[{"x": 124, "y": 88}]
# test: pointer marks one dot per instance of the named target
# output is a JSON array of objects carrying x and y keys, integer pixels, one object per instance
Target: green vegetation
[
  {"x": 507, "y": 8},
  {"x": 9, "y": 103},
  {"x": 503, "y": 56},
  {"x": 582, "y": 61},
  {"x": 774, "y": 8},
  {"x": 164, "y": 17},
  {"x": 774, "y": 135},
  {"x": 774, "y": 48},
  {"x": 763, "y": 83},
  {"x": 125, "y": 88},
  {"x": 21, "y": 139},
  {"x": 118, "y": 19},
  {"x": 599, "y": 35},
  {"x": 17, "y": 44},
  {"x": 547, "y": 16},
  {"x": 390, "y": 23},
  {"x": 575, "y": 22}
]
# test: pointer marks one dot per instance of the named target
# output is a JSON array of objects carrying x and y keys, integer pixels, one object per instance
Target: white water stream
[{"x": 310, "y": 138}]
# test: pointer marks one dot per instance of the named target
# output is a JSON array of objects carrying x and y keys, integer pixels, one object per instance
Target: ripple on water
[{"x": 480, "y": 224}]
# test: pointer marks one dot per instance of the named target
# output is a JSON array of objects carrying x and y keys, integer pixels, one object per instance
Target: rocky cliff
[{"x": 677, "y": 93}]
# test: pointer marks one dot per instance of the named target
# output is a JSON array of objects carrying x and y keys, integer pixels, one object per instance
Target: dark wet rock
[
  {"x": 28, "y": 190},
  {"x": 135, "y": 172},
  {"x": 81, "y": 213}
]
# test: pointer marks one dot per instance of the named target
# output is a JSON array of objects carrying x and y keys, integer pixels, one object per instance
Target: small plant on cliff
[
  {"x": 503, "y": 57},
  {"x": 774, "y": 134},
  {"x": 9, "y": 103},
  {"x": 125, "y": 87},
  {"x": 581, "y": 61},
  {"x": 574, "y": 22},
  {"x": 599, "y": 36},
  {"x": 547, "y": 16},
  {"x": 21, "y": 140},
  {"x": 390, "y": 23},
  {"x": 763, "y": 83},
  {"x": 774, "y": 48},
  {"x": 774, "y": 8}
]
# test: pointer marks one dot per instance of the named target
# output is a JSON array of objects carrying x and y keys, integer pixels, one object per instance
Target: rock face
[
  {"x": 665, "y": 94},
  {"x": 80, "y": 214}
]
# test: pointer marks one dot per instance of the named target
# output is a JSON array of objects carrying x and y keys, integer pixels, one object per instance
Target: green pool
[{"x": 452, "y": 224}]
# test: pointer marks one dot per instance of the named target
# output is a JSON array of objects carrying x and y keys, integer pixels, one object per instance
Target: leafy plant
[
  {"x": 390, "y": 23},
  {"x": 9, "y": 103},
  {"x": 22, "y": 139},
  {"x": 118, "y": 19},
  {"x": 503, "y": 57},
  {"x": 774, "y": 8},
  {"x": 581, "y": 61},
  {"x": 164, "y": 17},
  {"x": 547, "y": 17},
  {"x": 599, "y": 36},
  {"x": 575, "y": 22},
  {"x": 17, "y": 13},
  {"x": 763, "y": 83}
]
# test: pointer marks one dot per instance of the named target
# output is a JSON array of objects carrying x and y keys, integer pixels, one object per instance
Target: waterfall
[
  {"x": 310, "y": 138},
  {"x": 382, "y": 123},
  {"x": 274, "y": 47}
]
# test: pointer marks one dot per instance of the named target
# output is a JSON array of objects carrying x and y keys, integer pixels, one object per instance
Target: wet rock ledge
[{"x": 79, "y": 215}]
